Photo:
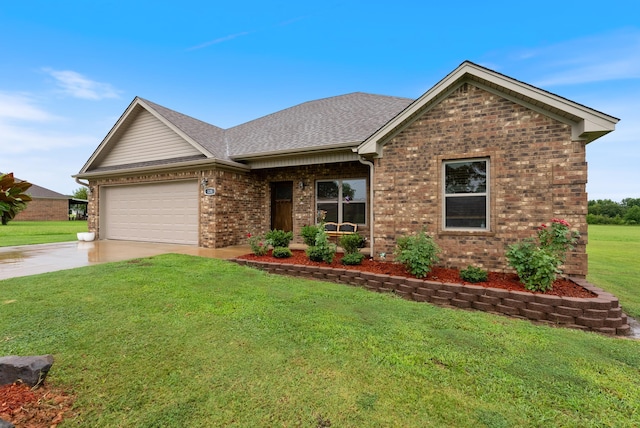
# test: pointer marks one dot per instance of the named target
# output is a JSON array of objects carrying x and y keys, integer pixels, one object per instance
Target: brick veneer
[
  {"x": 600, "y": 314},
  {"x": 537, "y": 173},
  {"x": 45, "y": 210},
  {"x": 242, "y": 203}
]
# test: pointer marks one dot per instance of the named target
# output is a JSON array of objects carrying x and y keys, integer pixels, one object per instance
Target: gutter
[
  {"x": 83, "y": 184},
  {"x": 370, "y": 165}
]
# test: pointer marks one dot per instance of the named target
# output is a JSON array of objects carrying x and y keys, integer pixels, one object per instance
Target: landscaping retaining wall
[{"x": 600, "y": 314}]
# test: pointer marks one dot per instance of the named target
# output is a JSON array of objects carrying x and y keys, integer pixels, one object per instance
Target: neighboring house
[
  {"x": 479, "y": 161},
  {"x": 46, "y": 205}
]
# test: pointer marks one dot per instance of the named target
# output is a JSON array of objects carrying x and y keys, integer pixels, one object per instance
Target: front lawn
[{"x": 183, "y": 341}]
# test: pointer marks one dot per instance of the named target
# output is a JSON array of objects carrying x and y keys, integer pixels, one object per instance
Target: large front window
[
  {"x": 466, "y": 194},
  {"x": 342, "y": 200}
]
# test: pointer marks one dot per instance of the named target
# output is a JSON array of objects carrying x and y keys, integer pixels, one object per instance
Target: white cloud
[
  {"x": 19, "y": 106},
  {"x": 219, "y": 40},
  {"x": 25, "y": 139},
  {"x": 599, "y": 58},
  {"x": 78, "y": 86}
]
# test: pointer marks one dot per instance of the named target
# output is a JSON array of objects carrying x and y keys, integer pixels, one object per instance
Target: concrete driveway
[{"x": 34, "y": 259}]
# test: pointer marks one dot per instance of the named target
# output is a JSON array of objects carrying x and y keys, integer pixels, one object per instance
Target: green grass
[
  {"x": 614, "y": 263},
  {"x": 181, "y": 341},
  {"x": 39, "y": 232}
]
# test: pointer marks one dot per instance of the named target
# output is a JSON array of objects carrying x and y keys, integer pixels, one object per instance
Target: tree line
[{"x": 606, "y": 211}]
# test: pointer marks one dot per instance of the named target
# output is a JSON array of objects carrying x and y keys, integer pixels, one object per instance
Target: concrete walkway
[{"x": 34, "y": 259}]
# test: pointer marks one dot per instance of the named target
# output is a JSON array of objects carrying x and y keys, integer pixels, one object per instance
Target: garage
[{"x": 161, "y": 212}]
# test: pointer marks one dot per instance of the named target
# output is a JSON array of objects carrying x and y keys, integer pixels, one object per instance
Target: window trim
[
  {"x": 340, "y": 200},
  {"x": 486, "y": 194}
]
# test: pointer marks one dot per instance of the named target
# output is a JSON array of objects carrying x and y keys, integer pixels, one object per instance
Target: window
[
  {"x": 466, "y": 194},
  {"x": 343, "y": 200}
]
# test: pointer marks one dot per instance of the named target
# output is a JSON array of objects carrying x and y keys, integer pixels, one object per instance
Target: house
[
  {"x": 479, "y": 161},
  {"x": 46, "y": 205}
]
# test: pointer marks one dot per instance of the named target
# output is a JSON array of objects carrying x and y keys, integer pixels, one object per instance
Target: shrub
[
  {"x": 258, "y": 244},
  {"x": 351, "y": 243},
  {"x": 12, "y": 197},
  {"x": 309, "y": 233},
  {"x": 323, "y": 250},
  {"x": 281, "y": 252},
  {"x": 352, "y": 258},
  {"x": 537, "y": 261},
  {"x": 474, "y": 274},
  {"x": 278, "y": 238},
  {"x": 417, "y": 253}
]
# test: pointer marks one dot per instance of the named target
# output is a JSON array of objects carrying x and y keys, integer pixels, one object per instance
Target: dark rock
[
  {"x": 28, "y": 370},
  {"x": 6, "y": 424}
]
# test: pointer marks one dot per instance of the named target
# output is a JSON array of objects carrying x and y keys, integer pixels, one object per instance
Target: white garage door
[{"x": 164, "y": 212}]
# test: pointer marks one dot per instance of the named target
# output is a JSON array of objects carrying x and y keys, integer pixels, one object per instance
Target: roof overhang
[
  {"x": 587, "y": 124},
  {"x": 169, "y": 167}
]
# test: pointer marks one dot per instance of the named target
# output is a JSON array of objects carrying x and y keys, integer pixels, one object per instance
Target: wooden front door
[{"x": 282, "y": 206}]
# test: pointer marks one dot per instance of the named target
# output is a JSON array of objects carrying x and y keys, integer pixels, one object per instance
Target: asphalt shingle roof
[{"x": 349, "y": 118}]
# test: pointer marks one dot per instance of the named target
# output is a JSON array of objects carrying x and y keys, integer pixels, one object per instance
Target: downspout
[{"x": 370, "y": 165}]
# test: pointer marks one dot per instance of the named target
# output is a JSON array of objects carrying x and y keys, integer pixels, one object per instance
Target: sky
[{"x": 70, "y": 68}]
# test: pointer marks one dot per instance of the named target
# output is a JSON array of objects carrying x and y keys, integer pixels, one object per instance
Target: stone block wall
[
  {"x": 601, "y": 313},
  {"x": 45, "y": 210},
  {"x": 536, "y": 173}
]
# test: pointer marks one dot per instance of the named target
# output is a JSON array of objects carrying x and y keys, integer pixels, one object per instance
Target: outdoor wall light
[
  {"x": 301, "y": 185},
  {"x": 204, "y": 182}
]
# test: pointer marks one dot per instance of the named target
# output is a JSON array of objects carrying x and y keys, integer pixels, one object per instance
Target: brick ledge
[{"x": 601, "y": 314}]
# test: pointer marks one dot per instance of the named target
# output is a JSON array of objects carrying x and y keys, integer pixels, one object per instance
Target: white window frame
[
  {"x": 340, "y": 201},
  {"x": 486, "y": 194}
]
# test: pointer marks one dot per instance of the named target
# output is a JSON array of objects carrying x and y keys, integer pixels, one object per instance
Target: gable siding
[
  {"x": 147, "y": 139},
  {"x": 537, "y": 173}
]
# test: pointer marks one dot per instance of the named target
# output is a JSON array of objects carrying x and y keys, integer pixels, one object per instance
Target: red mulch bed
[
  {"x": 506, "y": 281},
  {"x": 34, "y": 408}
]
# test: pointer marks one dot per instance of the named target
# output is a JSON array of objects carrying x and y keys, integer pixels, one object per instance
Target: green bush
[
  {"x": 323, "y": 250},
  {"x": 278, "y": 238},
  {"x": 351, "y": 243},
  {"x": 536, "y": 267},
  {"x": 281, "y": 252},
  {"x": 352, "y": 258},
  {"x": 258, "y": 244},
  {"x": 418, "y": 253},
  {"x": 474, "y": 274},
  {"x": 537, "y": 261},
  {"x": 309, "y": 233}
]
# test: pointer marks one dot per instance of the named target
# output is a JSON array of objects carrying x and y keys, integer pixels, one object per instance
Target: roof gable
[
  {"x": 587, "y": 124},
  {"x": 147, "y": 132}
]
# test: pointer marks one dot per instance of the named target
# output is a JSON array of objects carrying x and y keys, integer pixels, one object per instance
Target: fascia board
[
  {"x": 163, "y": 168},
  {"x": 114, "y": 129},
  {"x": 597, "y": 121}
]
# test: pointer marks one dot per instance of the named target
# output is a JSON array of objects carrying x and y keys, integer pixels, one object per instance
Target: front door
[{"x": 282, "y": 206}]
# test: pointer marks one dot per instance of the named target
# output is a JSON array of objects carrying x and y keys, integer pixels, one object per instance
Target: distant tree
[
  {"x": 606, "y": 207},
  {"x": 631, "y": 202},
  {"x": 632, "y": 216},
  {"x": 12, "y": 197},
  {"x": 81, "y": 193}
]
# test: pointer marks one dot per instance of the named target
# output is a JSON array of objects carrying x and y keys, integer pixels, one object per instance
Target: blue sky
[{"x": 69, "y": 69}]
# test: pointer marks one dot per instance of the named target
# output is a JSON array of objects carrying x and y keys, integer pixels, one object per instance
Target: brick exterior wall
[
  {"x": 537, "y": 173},
  {"x": 304, "y": 208},
  {"x": 242, "y": 203},
  {"x": 45, "y": 210}
]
